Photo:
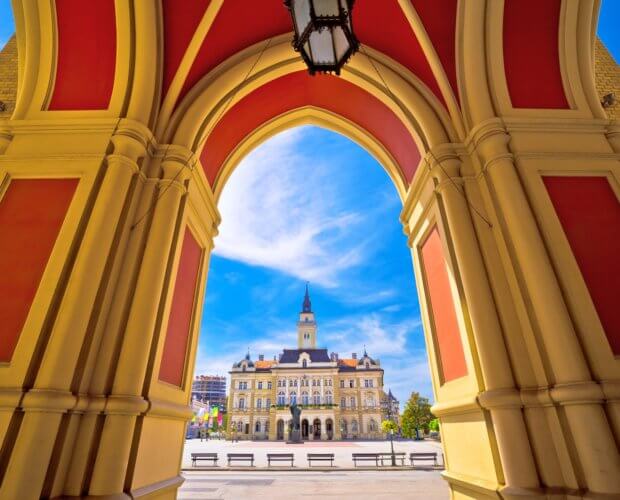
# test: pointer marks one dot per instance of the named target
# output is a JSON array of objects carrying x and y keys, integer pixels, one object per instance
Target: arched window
[
  {"x": 354, "y": 426},
  {"x": 293, "y": 398},
  {"x": 257, "y": 426},
  {"x": 343, "y": 402},
  {"x": 328, "y": 398},
  {"x": 370, "y": 401},
  {"x": 259, "y": 403},
  {"x": 241, "y": 403},
  {"x": 372, "y": 426},
  {"x": 316, "y": 398},
  {"x": 343, "y": 426},
  {"x": 352, "y": 401},
  {"x": 304, "y": 398},
  {"x": 281, "y": 398},
  {"x": 268, "y": 403},
  {"x": 304, "y": 363},
  {"x": 266, "y": 426}
]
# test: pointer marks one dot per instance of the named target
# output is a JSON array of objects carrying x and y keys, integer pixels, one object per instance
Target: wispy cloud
[{"x": 277, "y": 216}]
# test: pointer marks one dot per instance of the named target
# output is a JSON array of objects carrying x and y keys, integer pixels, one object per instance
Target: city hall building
[{"x": 340, "y": 398}]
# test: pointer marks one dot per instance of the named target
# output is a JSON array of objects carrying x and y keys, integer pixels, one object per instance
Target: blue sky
[{"x": 311, "y": 205}]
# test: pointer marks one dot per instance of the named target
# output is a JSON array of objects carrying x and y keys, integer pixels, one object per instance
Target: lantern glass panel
[
  {"x": 322, "y": 47},
  {"x": 341, "y": 43},
  {"x": 326, "y": 7},
  {"x": 301, "y": 12}
]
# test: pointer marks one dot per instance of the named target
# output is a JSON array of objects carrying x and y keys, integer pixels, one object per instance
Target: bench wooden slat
[
  {"x": 241, "y": 457},
  {"x": 204, "y": 456},
  {"x": 423, "y": 456},
  {"x": 280, "y": 457},
  {"x": 321, "y": 457}
]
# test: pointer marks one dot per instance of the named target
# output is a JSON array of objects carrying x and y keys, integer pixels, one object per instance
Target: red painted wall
[
  {"x": 589, "y": 212},
  {"x": 531, "y": 54},
  {"x": 238, "y": 24},
  {"x": 31, "y": 214},
  {"x": 447, "y": 335},
  {"x": 180, "y": 22},
  {"x": 182, "y": 309},
  {"x": 299, "y": 89},
  {"x": 86, "y": 58}
]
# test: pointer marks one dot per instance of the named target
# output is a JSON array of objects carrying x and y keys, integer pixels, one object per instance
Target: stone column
[
  {"x": 500, "y": 397},
  {"x": 126, "y": 401},
  {"x": 573, "y": 389}
]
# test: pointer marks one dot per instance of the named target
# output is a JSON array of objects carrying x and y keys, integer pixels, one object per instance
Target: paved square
[
  {"x": 341, "y": 449},
  {"x": 341, "y": 482},
  {"x": 379, "y": 485}
]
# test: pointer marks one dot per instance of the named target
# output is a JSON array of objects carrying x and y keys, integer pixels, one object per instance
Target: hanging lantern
[{"x": 323, "y": 33}]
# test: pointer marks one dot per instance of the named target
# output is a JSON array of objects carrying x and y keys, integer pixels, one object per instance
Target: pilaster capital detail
[
  {"x": 500, "y": 398},
  {"x": 490, "y": 140},
  {"x": 577, "y": 393},
  {"x": 132, "y": 139},
  {"x": 125, "y": 405},
  {"x": 48, "y": 400},
  {"x": 611, "y": 390}
]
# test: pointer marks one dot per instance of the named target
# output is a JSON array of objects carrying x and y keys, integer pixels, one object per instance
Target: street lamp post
[{"x": 388, "y": 407}]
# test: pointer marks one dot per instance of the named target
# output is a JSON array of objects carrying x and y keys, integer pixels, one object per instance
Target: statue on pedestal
[{"x": 295, "y": 434}]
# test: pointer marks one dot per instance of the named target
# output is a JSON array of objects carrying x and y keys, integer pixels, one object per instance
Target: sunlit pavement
[
  {"x": 214, "y": 484},
  {"x": 342, "y": 450}
]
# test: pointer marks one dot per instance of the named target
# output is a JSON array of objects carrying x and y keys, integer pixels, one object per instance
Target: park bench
[
  {"x": 387, "y": 457},
  {"x": 204, "y": 456},
  {"x": 280, "y": 457},
  {"x": 321, "y": 457},
  {"x": 422, "y": 457},
  {"x": 241, "y": 457},
  {"x": 365, "y": 457}
]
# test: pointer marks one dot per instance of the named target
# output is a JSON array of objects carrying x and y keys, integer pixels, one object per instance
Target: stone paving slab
[{"x": 379, "y": 485}]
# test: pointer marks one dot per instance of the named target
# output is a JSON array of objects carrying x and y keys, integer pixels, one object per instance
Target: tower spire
[{"x": 307, "y": 305}]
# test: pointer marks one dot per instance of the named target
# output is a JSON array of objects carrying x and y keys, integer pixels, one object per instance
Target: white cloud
[{"x": 276, "y": 215}]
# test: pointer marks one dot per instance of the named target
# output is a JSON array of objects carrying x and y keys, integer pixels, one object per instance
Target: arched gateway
[{"x": 129, "y": 119}]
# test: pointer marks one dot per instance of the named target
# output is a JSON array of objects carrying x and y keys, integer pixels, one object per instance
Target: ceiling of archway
[
  {"x": 296, "y": 90},
  {"x": 198, "y": 35}
]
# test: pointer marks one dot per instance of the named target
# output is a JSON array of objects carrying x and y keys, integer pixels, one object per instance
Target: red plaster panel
[
  {"x": 31, "y": 214},
  {"x": 446, "y": 329},
  {"x": 180, "y": 22},
  {"x": 299, "y": 89},
  {"x": 383, "y": 26},
  {"x": 589, "y": 212},
  {"x": 86, "y": 54},
  {"x": 238, "y": 24},
  {"x": 531, "y": 54},
  {"x": 181, "y": 312}
]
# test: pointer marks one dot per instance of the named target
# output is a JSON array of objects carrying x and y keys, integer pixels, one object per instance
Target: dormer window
[{"x": 304, "y": 363}]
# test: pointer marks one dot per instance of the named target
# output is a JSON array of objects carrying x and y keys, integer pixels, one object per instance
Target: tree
[
  {"x": 416, "y": 416},
  {"x": 433, "y": 425},
  {"x": 389, "y": 425}
]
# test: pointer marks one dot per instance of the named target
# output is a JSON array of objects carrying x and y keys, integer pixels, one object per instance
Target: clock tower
[{"x": 306, "y": 326}]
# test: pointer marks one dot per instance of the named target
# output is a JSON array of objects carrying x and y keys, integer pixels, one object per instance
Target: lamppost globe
[{"x": 323, "y": 33}]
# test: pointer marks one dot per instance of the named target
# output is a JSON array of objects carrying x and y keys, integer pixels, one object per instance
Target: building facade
[
  {"x": 340, "y": 397},
  {"x": 210, "y": 389}
]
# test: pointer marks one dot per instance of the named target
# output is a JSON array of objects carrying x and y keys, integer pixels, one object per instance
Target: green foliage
[
  {"x": 433, "y": 425},
  {"x": 417, "y": 415},
  {"x": 389, "y": 425}
]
